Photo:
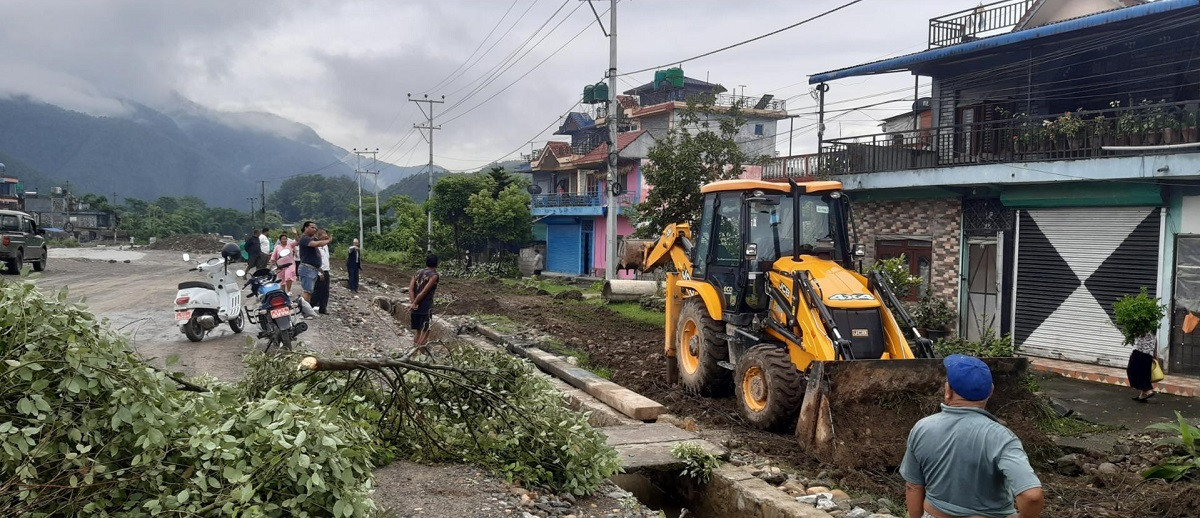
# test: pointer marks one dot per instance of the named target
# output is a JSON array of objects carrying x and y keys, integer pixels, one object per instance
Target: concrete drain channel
[{"x": 641, "y": 431}]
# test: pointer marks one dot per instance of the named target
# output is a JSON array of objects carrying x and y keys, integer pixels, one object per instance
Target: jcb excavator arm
[{"x": 674, "y": 244}]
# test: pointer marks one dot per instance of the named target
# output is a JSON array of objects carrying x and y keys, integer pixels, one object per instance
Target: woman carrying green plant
[{"x": 1138, "y": 318}]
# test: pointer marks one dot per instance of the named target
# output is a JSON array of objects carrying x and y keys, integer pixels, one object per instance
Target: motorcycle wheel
[
  {"x": 285, "y": 340},
  {"x": 193, "y": 331},
  {"x": 239, "y": 323}
]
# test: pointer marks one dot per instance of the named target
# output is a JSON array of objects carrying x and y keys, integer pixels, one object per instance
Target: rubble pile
[{"x": 190, "y": 243}]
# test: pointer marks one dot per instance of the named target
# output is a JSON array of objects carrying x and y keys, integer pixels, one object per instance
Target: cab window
[
  {"x": 703, "y": 238},
  {"x": 9, "y": 222},
  {"x": 728, "y": 229},
  {"x": 26, "y": 225}
]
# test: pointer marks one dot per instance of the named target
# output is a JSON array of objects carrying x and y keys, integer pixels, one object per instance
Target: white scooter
[{"x": 201, "y": 306}]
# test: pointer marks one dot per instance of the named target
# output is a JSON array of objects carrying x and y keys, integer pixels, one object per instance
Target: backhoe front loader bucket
[{"x": 859, "y": 412}]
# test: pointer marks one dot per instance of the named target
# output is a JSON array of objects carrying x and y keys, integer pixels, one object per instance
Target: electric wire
[{"x": 477, "y": 47}]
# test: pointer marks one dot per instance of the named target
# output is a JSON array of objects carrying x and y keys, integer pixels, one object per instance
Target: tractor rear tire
[
  {"x": 699, "y": 348},
  {"x": 768, "y": 388}
]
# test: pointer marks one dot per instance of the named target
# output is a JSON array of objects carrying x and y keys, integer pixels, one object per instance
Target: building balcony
[
  {"x": 577, "y": 204},
  {"x": 746, "y": 102},
  {"x": 1145, "y": 129},
  {"x": 978, "y": 22},
  {"x": 794, "y": 166}
]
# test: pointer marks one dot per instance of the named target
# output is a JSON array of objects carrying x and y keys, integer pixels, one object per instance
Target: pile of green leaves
[
  {"x": 1138, "y": 315},
  {"x": 989, "y": 345},
  {"x": 484, "y": 408},
  {"x": 87, "y": 428},
  {"x": 1187, "y": 461}
]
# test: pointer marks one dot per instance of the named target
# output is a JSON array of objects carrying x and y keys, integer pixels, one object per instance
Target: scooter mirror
[
  {"x": 187, "y": 257},
  {"x": 285, "y": 252},
  {"x": 240, "y": 273}
]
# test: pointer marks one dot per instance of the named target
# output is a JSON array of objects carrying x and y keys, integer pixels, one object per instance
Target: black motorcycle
[{"x": 275, "y": 311}]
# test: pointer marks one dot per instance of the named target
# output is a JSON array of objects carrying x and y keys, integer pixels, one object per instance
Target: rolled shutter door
[
  {"x": 1072, "y": 264},
  {"x": 563, "y": 253}
]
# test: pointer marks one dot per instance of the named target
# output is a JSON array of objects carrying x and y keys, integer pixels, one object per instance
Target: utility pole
[
  {"x": 252, "y": 200},
  {"x": 262, "y": 202},
  {"x": 428, "y": 126},
  {"x": 614, "y": 112},
  {"x": 371, "y": 171}
]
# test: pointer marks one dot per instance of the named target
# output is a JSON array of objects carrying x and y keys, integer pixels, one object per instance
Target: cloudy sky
[{"x": 344, "y": 67}]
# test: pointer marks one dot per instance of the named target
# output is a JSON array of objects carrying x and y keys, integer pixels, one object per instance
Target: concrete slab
[
  {"x": 1112, "y": 405},
  {"x": 648, "y": 446},
  {"x": 647, "y": 433}
]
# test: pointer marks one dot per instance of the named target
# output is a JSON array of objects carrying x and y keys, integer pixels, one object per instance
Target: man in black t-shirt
[
  {"x": 310, "y": 259},
  {"x": 421, "y": 291}
]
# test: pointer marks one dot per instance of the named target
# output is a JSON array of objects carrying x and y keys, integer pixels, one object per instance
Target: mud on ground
[{"x": 633, "y": 351}]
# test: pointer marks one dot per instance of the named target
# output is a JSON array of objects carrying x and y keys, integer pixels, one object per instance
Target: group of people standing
[{"x": 307, "y": 260}]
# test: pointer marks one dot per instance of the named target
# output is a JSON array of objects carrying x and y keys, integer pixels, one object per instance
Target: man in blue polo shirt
[{"x": 961, "y": 462}]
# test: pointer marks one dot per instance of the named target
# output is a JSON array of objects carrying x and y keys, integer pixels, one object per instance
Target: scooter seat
[{"x": 196, "y": 284}]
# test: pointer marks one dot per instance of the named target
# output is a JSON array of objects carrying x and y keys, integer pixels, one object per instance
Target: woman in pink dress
[{"x": 287, "y": 270}]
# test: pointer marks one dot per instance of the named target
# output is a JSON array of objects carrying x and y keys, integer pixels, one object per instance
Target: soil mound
[{"x": 190, "y": 243}]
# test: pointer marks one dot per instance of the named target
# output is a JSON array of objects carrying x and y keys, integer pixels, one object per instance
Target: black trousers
[
  {"x": 352, "y": 283},
  {"x": 320, "y": 296}
]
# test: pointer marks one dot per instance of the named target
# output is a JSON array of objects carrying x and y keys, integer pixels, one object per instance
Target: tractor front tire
[
  {"x": 699, "y": 348},
  {"x": 768, "y": 388}
]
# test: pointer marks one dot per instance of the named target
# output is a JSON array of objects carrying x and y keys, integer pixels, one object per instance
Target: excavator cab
[{"x": 765, "y": 301}]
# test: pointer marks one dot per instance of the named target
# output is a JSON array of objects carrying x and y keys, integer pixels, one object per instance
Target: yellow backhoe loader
[{"x": 764, "y": 299}]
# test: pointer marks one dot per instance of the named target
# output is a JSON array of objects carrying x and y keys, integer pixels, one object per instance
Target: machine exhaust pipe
[{"x": 207, "y": 322}]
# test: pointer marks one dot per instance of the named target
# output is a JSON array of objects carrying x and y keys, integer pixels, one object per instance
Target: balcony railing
[
  {"x": 978, "y": 22},
  {"x": 790, "y": 167},
  {"x": 570, "y": 199},
  {"x": 1078, "y": 135},
  {"x": 681, "y": 95}
]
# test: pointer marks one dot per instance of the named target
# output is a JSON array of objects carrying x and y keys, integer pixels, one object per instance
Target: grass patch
[
  {"x": 501, "y": 323},
  {"x": 634, "y": 311},
  {"x": 1072, "y": 426}
]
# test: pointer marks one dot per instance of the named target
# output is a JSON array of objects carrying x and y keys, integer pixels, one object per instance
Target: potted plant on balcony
[
  {"x": 1100, "y": 134},
  {"x": 1128, "y": 128},
  {"x": 1171, "y": 128},
  {"x": 1069, "y": 126},
  {"x": 1152, "y": 123},
  {"x": 1189, "y": 133},
  {"x": 934, "y": 316}
]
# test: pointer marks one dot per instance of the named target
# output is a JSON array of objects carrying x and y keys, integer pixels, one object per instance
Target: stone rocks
[
  {"x": 793, "y": 487},
  {"x": 839, "y": 496},
  {"x": 822, "y": 501},
  {"x": 1107, "y": 468},
  {"x": 885, "y": 503},
  {"x": 816, "y": 490},
  {"x": 771, "y": 475},
  {"x": 857, "y": 512},
  {"x": 1069, "y": 465}
]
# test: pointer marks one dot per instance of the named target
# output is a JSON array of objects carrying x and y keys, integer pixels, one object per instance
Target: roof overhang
[
  {"x": 907, "y": 62},
  {"x": 748, "y": 185}
]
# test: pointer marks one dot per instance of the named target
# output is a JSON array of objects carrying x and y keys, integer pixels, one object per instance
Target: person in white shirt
[
  {"x": 264, "y": 244},
  {"x": 320, "y": 297}
]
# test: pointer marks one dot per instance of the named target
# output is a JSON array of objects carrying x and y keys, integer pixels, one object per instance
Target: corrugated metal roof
[
  {"x": 600, "y": 154},
  {"x": 1094, "y": 20}
]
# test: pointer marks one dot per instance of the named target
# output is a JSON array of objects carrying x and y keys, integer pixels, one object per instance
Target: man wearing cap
[{"x": 961, "y": 462}]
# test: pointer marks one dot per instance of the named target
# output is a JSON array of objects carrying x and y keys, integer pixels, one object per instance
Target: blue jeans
[{"x": 308, "y": 277}]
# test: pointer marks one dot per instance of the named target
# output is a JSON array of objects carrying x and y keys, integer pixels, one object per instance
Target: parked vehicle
[
  {"x": 21, "y": 241},
  {"x": 201, "y": 306},
  {"x": 275, "y": 310}
]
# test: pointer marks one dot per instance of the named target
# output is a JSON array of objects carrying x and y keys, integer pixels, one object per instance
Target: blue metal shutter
[{"x": 563, "y": 252}]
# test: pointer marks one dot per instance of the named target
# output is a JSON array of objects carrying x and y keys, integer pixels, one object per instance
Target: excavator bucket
[
  {"x": 858, "y": 413},
  {"x": 631, "y": 253}
]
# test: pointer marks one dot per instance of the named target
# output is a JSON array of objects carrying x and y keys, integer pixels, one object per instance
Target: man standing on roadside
[
  {"x": 421, "y": 291},
  {"x": 320, "y": 299},
  {"x": 961, "y": 462},
  {"x": 353, "y": 265},
  {"x": 253, "y": 250},
  {"x": 264, "y": 243},
  {"x": 310, "y": 264}
]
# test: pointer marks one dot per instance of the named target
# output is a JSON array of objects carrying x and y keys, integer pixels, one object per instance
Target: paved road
[{"x": 137, "y": 297}]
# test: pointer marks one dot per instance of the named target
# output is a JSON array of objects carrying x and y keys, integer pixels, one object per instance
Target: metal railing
[
  {"x": 975, "y": 23},
  {"x": 681, "y": 95},
  {"x": 790, "y": 167},
  {"x": 1077, "y": 135},
  {"x": 569, "y": 199}
]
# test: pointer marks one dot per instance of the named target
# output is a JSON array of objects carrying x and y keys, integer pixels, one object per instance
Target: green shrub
[
  {"x": 1178, "y": 466},
  {"x": 896, "y": 272},
  {"x": 989, "y": 346},
  {"x": 933, "y": 313},
  {"x": 1138, "y": 315},
  {"x": 697, "y": 463}
]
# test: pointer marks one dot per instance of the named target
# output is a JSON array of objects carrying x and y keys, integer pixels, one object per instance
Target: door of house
[
  {"x": 587, "y": 227},
  {"x": 1071, "y": 265},
  {"x": 982, "y": 287},
  {"x": 1185, "y": 346},
  {"x": 918, "y": 253}
]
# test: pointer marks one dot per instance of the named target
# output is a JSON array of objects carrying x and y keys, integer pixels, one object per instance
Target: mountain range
[{"x": 175, "y": 150}]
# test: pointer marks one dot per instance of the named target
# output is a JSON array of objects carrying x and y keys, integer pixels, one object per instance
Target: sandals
[{"x": 1145, "y": 398}]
